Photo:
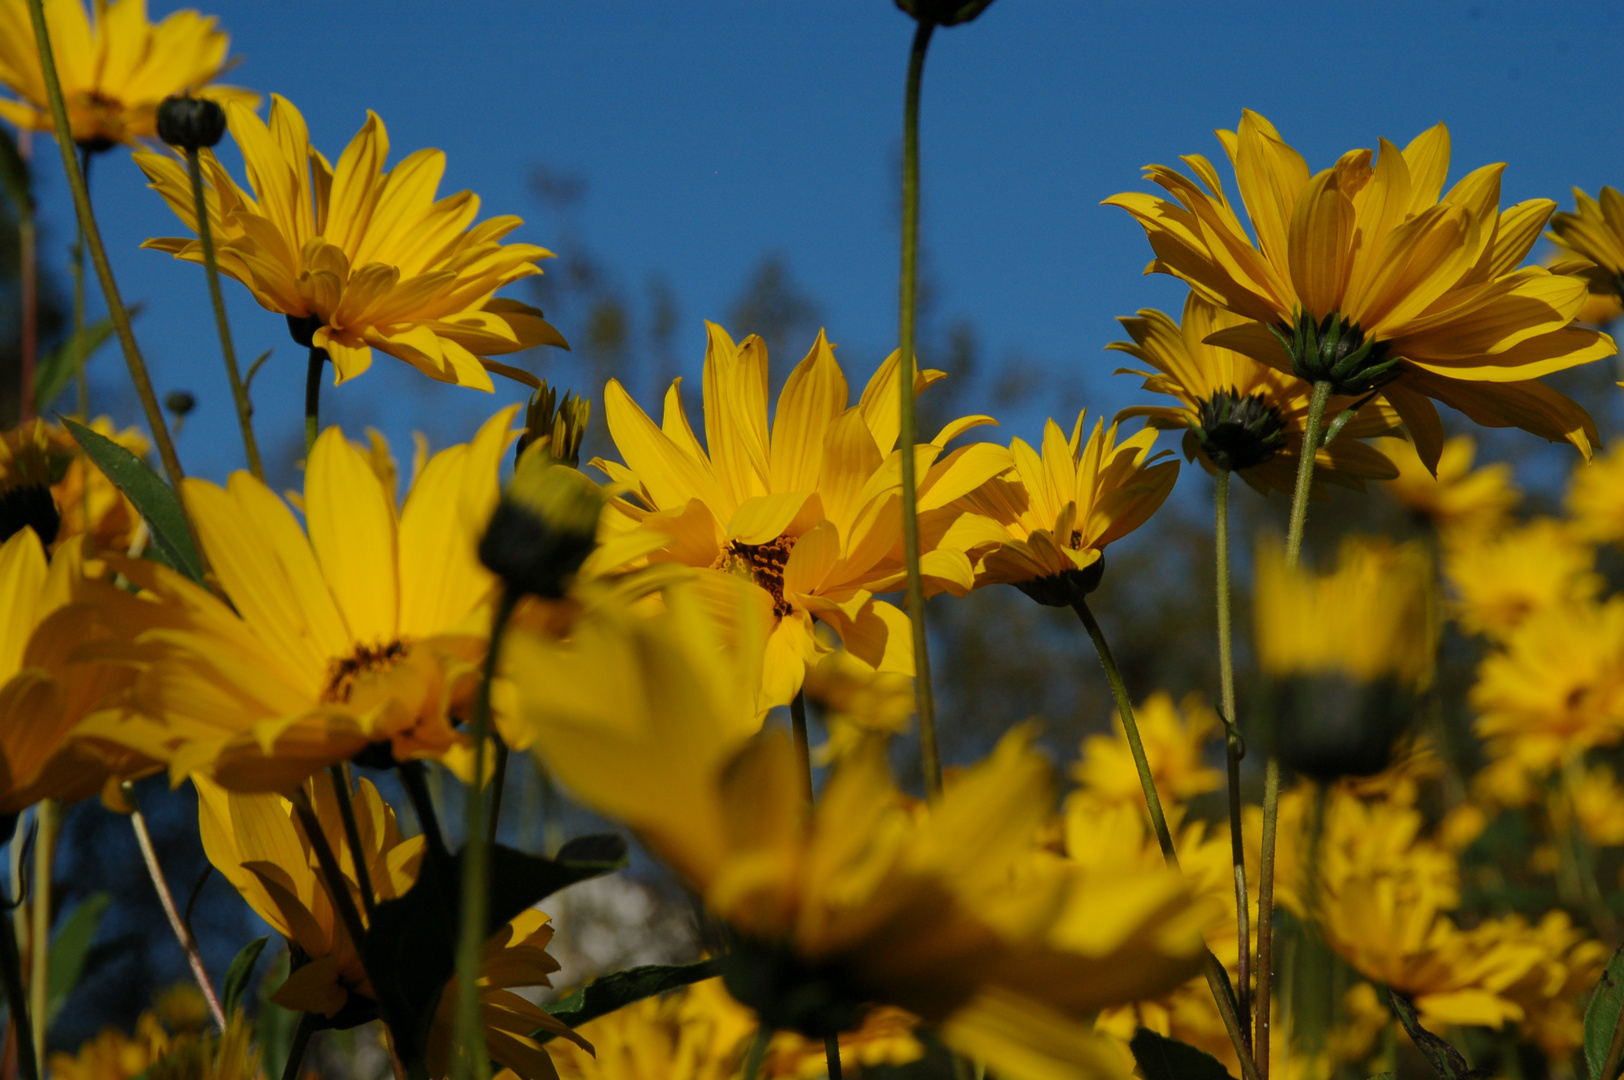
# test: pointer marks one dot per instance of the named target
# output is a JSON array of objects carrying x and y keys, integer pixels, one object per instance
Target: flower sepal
[
  {"x": 1066, "y": 588},
  {"x": 1336, "y": 351}
]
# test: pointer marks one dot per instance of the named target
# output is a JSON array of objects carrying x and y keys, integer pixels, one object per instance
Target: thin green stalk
[
  {"x": 931, "y": 762},
  {"x": 98, "y": 257},
  {"x": 1313, "y": 427},
  {"x": 1232, "y": 755},
  {"x": 149, "y": 855},
  {"x": 28, "y": 275},
  {"x": 11, "y": 975},
  {"x": 757, "y": 1053},
  {"x": 76, "y": 269},
  {"x": 352, "y": 836},
  {"x": 803, "y": 746},
  {"x": 301, "y": 1039},
  {"x": 417, "y": 790},
  {"x": 498, "y": 786},
  {"x": 239, "y": 393},
  {"x": 471, "y": 1059},
  {"x": 1265, "y": 914},
  {"x": 337, "y": 885},
  {"x": 831, "y": 1055},
  {"x": 318, "y": 357},
  {"x": 39, "y": 951}
]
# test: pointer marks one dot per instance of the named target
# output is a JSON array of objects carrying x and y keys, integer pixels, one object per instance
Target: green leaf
[
  {"x": 605, "y": 995},
  {"x": 239, "y": 974},
  {"x": 154, "y": 500},
  {"x": 14, "y": 174},
  {"x": 70, "y": 945},
  {"x": 409, "y": 954},
  {"x": 1445, "y": 1060},
  {"x": 65, "y": 361},
  {"x": 1161, "y": 1058},
  {"x": 1602, "y": 1015}
]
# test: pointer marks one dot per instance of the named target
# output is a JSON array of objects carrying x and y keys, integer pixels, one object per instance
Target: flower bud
[
  {"x": 558, "y": 427},
  {"x": 191, "y": 123},
  {"x": 180, "y": 402},
  {"x": 944, "y": 12},
  {"x": 1237, "y": 432},
  {"x": 544, "y": 527}
]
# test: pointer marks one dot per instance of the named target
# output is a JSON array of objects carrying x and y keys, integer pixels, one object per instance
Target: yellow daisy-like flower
[
  {"x": 951, "y": 913},
  {"x": 366, "y": 630},
  {"x": 1237, "y": 413},
  {"x": 115, "y": 72},
  {"x": 1590, "y": 245},
  {"x": 810, "y": 512},
  {"x": 1554, "y": 993},
  {"x": 359, "y": 257},
  {"x": 1595, "y": 499},
  {"x": 46, "y": 482},
  {"x": 1175, "y": 742},
  {"x": 1501, "y": 580},
  {"x": 1597, "y": 803},
  {"x": 1044, "y": 526},
  {"x": 1557, "y": 689},
  {"x": 113, "y": 1055},
  {"x": 856, "y": 703},
  {"x": 1458, "y": 500},
  {"x": 1371, "y": 280}
]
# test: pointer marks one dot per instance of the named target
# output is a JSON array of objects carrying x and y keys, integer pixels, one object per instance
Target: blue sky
[{"x": 711, "y": 132}]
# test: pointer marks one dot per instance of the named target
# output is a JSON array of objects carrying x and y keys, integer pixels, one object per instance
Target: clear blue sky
[{"x": 713, "y": 131}]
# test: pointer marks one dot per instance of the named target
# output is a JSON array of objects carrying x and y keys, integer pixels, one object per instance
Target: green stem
[
  {"x": 930, "y": 754},
  {"x": 1312, "y": 426},
  {"x": 194, "y": 959},
  {"x": 417, "y": 790},
  {"x": 337, "y": 885},
  {"x": 352, "y": 835},
  {"x": 471, "y": 1060},
  {"x": 11, "y": 974},
  {"x": 803, "y": 746},
  {"x": 239, "y": 393},
  {"x": 301, "y": 1039},
  {"x": 1265, "y": 914},
  {"x": 318, "y": 357},
  {"x": 98, "y": 257},
  {"x": 757, "y": 1053},
  {"x": 47, "y": 816},
  {"x": 1232, "y": 756},
  {"x": 76, "y": 268},
  {"x": 28, "y": 275},
  {"x": 831, "y": 1055},
  {"x": 498, "y": 785}
]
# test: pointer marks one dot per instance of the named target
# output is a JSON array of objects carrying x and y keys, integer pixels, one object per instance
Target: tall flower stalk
[{"x": 1232, "y": 748}]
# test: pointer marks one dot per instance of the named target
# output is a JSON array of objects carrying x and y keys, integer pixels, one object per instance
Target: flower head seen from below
[
  {"x": 1590, "y": 245},
  {"x": 808, "y": 510},
  {"x": 873, "y": 899},
  {"x": 115, "y": 70},
  {"x": 1345, "y": 652},
  {"x": 1458, "y": 500},
  {"x": 363, "y": 630},
  {"x": 1372, "y": 280},
  {"x": 359, "y": 257},
  {"x": 1237, "y": 413},
  {"x": 47, "y": 483},
  {"x": 1044, "y": 526}
]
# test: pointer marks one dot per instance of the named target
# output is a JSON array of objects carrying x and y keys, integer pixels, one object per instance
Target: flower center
[
  {"x": 365, "y": 660},
  {"x": 1238, "y": 432},
  {"x": 764, "y": 564},
  {"x": 1335, "y": 350}
]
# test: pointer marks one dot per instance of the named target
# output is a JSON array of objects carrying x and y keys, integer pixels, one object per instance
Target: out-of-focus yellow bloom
[
  {"x": 1597, "y": 804},
  {"x": 1367, "y": 620},
  {"x": 360, "y": 257},
  {"x": 113, "y": 1055},
  {"x": 40, "y": 457},
  {"x": 1590, "y": 245},
  {"x": 1046, "y": 524},
  {"x": 1175, "y": 742},
  {"x": 1458, "y": 500},
  {"x": 950, "y": 912},
  {"x": 1557, "y": 689},
  {"x": 115, "y": 71},
  {"x": 1554, "y": 992},
  {"x": 1421, "y": 291},
  {"x": 367, "y": 630},
  {"x": 208, "y": 1055},
  {"x": 1501, "y": 580},
  {"x": 857, "y": 703},
  {"x": 811, "y": 514},
  {"x": 1238, "y": 413},
  {"x": 1595, "y": 498}
]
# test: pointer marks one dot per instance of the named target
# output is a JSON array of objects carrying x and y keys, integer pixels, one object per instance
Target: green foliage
[
  {"x": 68, "y": 359},
  {"x": 14, "y": 177},
  {"x": 70, "y": 946},
  {"x": 154, "y": 500},
  {"x": 1602, "y": 1017},
  {"x": 1445, "y": 1060},
  {"x": 615, "y": 991},
  {"x": 1161, "y": 1058},
  {"x": 239, "y": 974}
]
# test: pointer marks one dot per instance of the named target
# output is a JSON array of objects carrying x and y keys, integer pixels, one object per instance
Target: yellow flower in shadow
[
  {"x": 1175, "y": 744},
  {"x": 359, "y": 257},
  {"x": 113, "y": 1055},
  {"x": 1595, "y": 499},
  {"x": 1500, "y": 581},
  {"x": 1590, "y": 245},
  {"x": 1378, "y": 281},
  {"x": 115, "y": 70},
  {"x": 46, "y": 482},
  {"x": 1459, "y": 501}
]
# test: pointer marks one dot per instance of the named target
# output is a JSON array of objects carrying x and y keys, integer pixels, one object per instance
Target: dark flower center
[
  {"x": 764, "y": 564},
  {"x": 365, "y": 660},
  {"x": 29, "y": 505},
  {"x": 1238, "y": 432}
]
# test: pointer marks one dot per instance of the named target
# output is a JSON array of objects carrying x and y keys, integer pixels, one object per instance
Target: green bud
[
  {"x": 1239, "y": 432},
  {"x": 191, "y": 123},
  {"x": 180, "y": 402},
  {"x": 1067, "y": 589},
  {"x": 544, "y": 527},
  {"x": 558, "y": 427},
  {"x": 944, "y": 12}
]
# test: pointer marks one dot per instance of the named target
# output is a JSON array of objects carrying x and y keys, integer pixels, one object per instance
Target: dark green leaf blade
[
  {"x": 70, "y": 946},
  {"x": 1602, "y": 1015},
  {"x": 1161, "y": 1058},
  {"x": 1445, "y": 1060},
  {"x": 605, "y": 995},
  {"x": 154, "y": 500},
  {"x": 240, "y": 973}
]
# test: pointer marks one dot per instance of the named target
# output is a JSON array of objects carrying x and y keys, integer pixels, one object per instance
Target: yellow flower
[
  {"x": 1557, "y": 689},
  {"x": 1237, "y": 413},
  {"x": 115, "y": 72},
  {"x": 367, "y": 631},
  {"x": 257, "y": 843},
  {"x": 1044, "y": 527},
  {"x": 1595, "y": 499},
  {"x": 1500, "y": 581},
  {"x": 812, "y": 513},
  {"x": 113, "y": 1055},
  {"x": 1456, "y": 499},
  {"x": 856, "y": 703},
  {"x": 1175, "y": 741},
  {"x": 1590, "y": 245},
  {"x": 226, "y": 1055},
  {"x": 1372, "y": 280},
  {"x": 951, "y": 912},
  {"x": 46, "y": 482},
  {"x": 1598, "y": 805},
  {"x": 359, "y": 257},
  {"x": 1554, "y": 993}
]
